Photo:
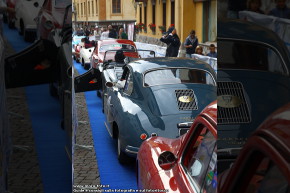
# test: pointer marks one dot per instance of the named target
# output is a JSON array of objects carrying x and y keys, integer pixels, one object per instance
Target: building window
[
  {"x": 89, "y": 8},
  {"x": 140, "y": 14},
  {"x": 172, "y": 12},
  {"x": 153, "y": 14},
  {"x": 96, "y": 6},
  {"x": 164, "y": 14},
  {"x": 116, "y": 5}
]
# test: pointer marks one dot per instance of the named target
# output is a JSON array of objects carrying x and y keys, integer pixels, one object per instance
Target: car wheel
[
  {"x": 11, "y": 24},
  {"x": 86, "y": 66},
  {"x": 122, "y": 157},
  {"x": 83, "y": 62},
  {"x": 99, "y": 94},
  {"x": 74, "y": 57},
  {"x": 77, "y": 60}
]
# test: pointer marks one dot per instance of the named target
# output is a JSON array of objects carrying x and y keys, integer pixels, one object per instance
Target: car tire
[
  {"x": 86, "y": 66},
  {"x": 83, "y": 63},
  {"x": 99, "y": 94},
  {"x": 74, "y": 57},
  {"x": 11, "y": 24},
  {"x": 77, "y": 60},
  {"x": 122, "y": 157}
]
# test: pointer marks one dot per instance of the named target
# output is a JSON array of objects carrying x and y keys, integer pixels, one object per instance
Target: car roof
[
  {"x": 147, "y": 64},
  {"x": 112, "y": 41},
  {"x": 276, "y": 128},
  {"x": 244, "y": 30}
]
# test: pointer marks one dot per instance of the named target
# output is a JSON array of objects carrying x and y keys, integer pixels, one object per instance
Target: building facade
[
  {"x": 185, "y": 15},
  {"x": 102, "y": 13}
]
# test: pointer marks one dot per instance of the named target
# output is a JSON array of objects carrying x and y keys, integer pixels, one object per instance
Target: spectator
[
  {"x": 112, "y": 32},
  {"x": 105, "y": 34},
  {"x": 173, "y": 42},
  {"x": 212, "y": 52},
  {"x": 281, "y": 10},
  {"x": 199, "y": 50},
  {"x": 122, "y": 34},
  {"x": 3, "y": 9},
  {"x": 234, "y": 6},
  {"x": 255, "y": 6},
  {"x": 190, "y": 44}
]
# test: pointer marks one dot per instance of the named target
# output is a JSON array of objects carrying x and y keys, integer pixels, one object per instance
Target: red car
[
  {"x": 112, "y": 44},
  {"x": 186, "y": 164},
  {"x": 50, "y": 17},
  {"x": 263, "y": 165},
  {"x": 10, "y": 16}
]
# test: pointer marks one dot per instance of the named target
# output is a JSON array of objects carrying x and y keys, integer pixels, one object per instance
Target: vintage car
[
  {"x": 111, "y": 44},
  {"x": 50, "y": 17},
  {"x": 85, "y": 56},
  {"x": 187, "y": 164},
  {"x": 156, "y": 97},
  {"x": 263, "y": 164},
  {"x": 253, "y": 80},
  {"x": 9, "y": 16},
  {"x": 26, "y": 12}
]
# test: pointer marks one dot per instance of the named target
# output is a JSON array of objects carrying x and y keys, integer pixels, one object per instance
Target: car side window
[
  {"x": 200, "y": 159},
  {"x": 128, "y": 88},
  {"x": 267, "y": 179}
]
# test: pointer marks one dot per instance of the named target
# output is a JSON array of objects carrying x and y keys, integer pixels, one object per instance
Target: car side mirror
[
  {"x": 196, "y": 168},
  {"x": 167, "y": 160}
]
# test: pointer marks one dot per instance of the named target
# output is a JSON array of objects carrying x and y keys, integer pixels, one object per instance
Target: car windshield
[
  {"x": 249, "y": 56},
  {"x": 177, "y": 76},
  {"x": 116, "y": 46},
  {"x": 61, "y": 3}
]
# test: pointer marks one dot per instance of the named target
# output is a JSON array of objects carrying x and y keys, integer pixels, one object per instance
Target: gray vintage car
[{"x": 155, "y": 97}]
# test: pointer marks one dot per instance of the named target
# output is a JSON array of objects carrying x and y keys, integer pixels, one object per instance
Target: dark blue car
[
  {"x": 155, "y": 97},
  {"x": 253, "y": 79}
]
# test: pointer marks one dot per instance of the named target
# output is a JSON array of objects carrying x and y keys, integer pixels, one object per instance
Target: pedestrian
[
  {"x": 105, "y": 34},
  {"x": 173, "y": 42},
  {"x": 4, "y": 9},
  {"x": 190, "y": 44},
  {"x": 112, "y": 32},
  {"x": 255, "y": 6},
  {"x": 199, "y": 50},
  {"x": 281, "y": 10},
  {"x": 212, "y": 52},
  {"x": 122, "y": 34},
  {"x": 234, "y": 6}
]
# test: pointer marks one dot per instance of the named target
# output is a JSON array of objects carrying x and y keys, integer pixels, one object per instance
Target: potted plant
[
  {"x": 141, "y": 26},
  {"x": 162, "y": 28},
  {"x": 152, "y": 26}
]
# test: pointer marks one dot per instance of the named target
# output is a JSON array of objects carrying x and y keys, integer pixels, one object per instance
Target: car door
[{"x": 34, "y": 65}]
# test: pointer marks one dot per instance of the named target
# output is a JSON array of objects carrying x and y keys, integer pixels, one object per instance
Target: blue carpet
[
  {"x": 112, "y": 173},
  {"x": 55, "y": 166}
]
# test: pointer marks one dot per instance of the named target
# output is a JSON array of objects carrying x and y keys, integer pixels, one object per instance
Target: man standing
[
  {"x": 281, "y": 10},
  {"x": 122, "y": 34},
  {"x": 173, "y": 42},
  {"x": 112, "y": 32},
  {"x": 212, "y": 52},
  {"x": 190, "y": 44}
]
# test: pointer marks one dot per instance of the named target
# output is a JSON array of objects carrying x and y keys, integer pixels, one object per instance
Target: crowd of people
[{"x": 171, "y": 39}]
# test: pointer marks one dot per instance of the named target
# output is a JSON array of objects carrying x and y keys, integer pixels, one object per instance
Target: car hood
[
  {"x": 111, "y": 55},
  {"x": 166, "y": 99},
  {"x": 264, "y": 92}
]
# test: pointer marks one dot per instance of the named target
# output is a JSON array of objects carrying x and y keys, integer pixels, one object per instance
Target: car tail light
[{"x": 143, "y": 136}]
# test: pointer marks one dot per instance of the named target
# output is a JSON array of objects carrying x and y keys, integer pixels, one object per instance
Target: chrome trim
[
  {"x": 261, "y": 43},
  {"x": 108, "y": 129},
  {"x": 154, "y": 69},
  {"x": 184, "y": 124},
  {"x": 179, "y": 130},
  {"x": 129, "y": 151}
]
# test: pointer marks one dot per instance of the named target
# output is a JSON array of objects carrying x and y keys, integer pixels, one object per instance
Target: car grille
[
  {"x": 190, "y": 101},
  {"x": 238, "y": 114}
]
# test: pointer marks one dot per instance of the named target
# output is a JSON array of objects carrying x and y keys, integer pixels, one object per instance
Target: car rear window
[
  {"x": 177, "y": 76},
  {"x": 104, "y": 48},
  {"x": 248, "y": 56}
]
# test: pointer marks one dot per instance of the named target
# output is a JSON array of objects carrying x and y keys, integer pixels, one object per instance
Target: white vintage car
[
  {"x": 26, "y": 12},
  {"x": 85, "y": 57}
]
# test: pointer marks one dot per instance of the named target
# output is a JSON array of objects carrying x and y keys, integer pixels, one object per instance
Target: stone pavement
[
  {"x": 23, "y": 172},
  {"x": 85, "y": 164}
]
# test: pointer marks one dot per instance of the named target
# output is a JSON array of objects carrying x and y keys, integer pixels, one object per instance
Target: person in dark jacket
[
  {"x": 191, "y": 42},
  {"x": 173, "y": 42},
  {"x": 112, "y": 32}
]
